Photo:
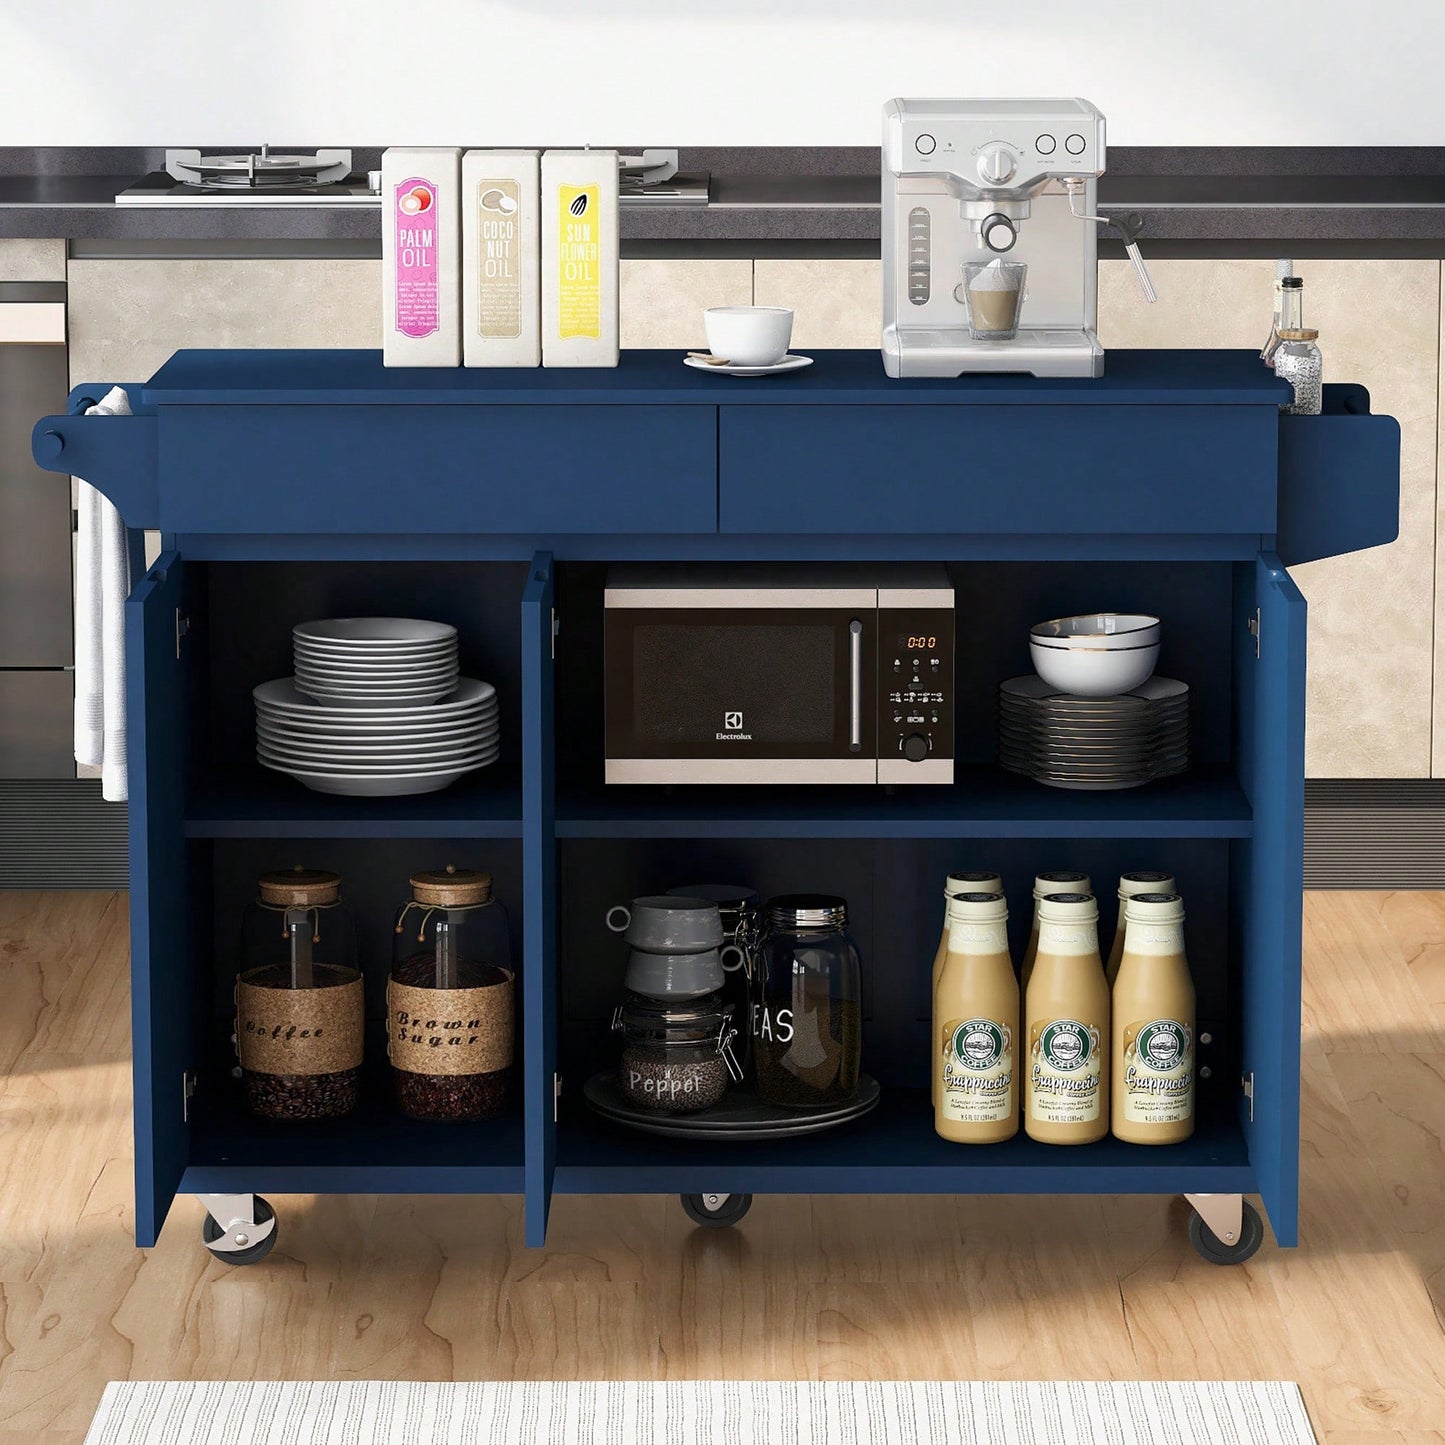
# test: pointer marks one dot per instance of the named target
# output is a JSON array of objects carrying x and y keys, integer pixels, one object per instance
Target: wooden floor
[{"x": 807, "y": 1288}]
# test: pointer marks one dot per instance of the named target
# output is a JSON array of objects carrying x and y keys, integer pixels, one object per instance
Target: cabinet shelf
[
  {"x": 894, "y": 1150},
  {"x": 259, "y": 804},
  {"x": 373, "y": 1151},
  {"x": 985, "y": 802}
]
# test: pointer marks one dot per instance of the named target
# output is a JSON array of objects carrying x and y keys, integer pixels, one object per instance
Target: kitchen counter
[{"x": 1357, "y": 199}]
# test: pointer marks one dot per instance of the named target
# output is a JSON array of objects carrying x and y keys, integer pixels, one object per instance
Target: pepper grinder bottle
[
  {"x": 299, "y": 1003},
  {"x": 1067, "y": 1026},
  {"x": 1045, "y": 884},
  {"x": 1288, "y": 308},
  {"x": 955, "y": 885}
]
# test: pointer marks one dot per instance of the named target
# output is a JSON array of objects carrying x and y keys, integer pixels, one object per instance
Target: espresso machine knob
[{"x": 996, "y": 165}]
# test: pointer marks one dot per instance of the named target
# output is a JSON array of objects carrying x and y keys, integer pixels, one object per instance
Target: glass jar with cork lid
[
  {"x": 1297, "y": 360},
  {"x": 450, "y": 1001},
  {"x": 299, "y": 999}
]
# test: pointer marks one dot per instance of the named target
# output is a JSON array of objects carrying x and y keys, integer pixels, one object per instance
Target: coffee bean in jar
[
  {"x": 300, "y": 1048},
  {"x": 676, "y": 1058},
  {"x": 451, "y": 999},
  {"x": 299, "y": 1003}
]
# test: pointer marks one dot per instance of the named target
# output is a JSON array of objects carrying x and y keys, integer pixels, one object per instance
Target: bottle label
[
  {"x": 1154, "y": 940},
  {"x": 1158, "y": 1080},
  {"x": 418, "y": 302},
  {"x": 974, "y": 937},
  {"x": 1069, "y": 940},
  {"x": 1065, "y": 1062},
  {"x": 579, "y": 269},
  {"x": 978, "y": 1071},
  {"x": 499, "y": 295}
]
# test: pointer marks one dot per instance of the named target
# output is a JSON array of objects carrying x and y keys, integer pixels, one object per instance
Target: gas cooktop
[{"x": 261, "y": 178}]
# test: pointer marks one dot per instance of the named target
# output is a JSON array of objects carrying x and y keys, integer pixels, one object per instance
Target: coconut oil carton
[
  {"x": 579, "y": 258},
  {"x": 501, "y": 258},
  {"x": 421, "y": 256}
]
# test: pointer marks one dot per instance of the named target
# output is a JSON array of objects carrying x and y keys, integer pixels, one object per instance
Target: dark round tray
[{"x": 741, "y": 1115}]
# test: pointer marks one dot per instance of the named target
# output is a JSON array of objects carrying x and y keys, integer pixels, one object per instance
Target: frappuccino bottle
[
  {"x": 1130, "y": 886},
  {"x": 1153, "y": 1029},
  {"x": 976, "y": 1026},
  {"x": 1066, "y": 1012},
  {"x": 1045, "y": 884},
  {"x": 955, "y": 884}
]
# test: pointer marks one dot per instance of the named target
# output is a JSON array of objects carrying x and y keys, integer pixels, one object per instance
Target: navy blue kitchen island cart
[{"x": 296, "y": 484}]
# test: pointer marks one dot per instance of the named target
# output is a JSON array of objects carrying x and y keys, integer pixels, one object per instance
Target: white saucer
[{"x": 788, "y": 363}]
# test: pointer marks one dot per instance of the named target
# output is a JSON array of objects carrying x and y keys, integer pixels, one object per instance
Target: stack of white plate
[
  {"x": 377, "y": 709},
  {"x": 364, "y": 661},
  {"x": 1093, "y": 743}
]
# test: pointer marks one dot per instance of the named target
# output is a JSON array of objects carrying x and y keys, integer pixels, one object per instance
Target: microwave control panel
[{"x": 915, "y": 706}]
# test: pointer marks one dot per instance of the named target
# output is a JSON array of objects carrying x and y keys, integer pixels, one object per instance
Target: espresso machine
[{"x": 990, "y": 253}]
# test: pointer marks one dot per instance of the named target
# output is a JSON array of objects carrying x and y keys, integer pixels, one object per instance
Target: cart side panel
[
  {"x": 1269, "y": 889},
  {"x": 539, "y": 867},
  {"x": 163, "y": 974}
]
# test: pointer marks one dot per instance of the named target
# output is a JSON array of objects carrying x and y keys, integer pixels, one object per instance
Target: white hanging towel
[{"x": 102, "y": 583}]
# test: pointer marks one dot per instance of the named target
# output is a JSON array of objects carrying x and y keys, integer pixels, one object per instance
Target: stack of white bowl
[
  {"x": 377, "y": 708},
  {"x": 1095, "y": 717}
]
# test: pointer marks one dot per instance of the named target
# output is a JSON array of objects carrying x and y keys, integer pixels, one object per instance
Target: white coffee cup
[{"x": 749, "y": 335}]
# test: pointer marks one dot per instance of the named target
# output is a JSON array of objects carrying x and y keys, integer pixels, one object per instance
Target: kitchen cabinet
[
  {"x": 1372, "y": 613},
  {"x": 212, "y": 617}
]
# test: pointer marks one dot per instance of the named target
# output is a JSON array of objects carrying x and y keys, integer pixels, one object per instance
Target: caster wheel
[
  {"x": 728, "y": 1209},
  {"x": 1210, "y": 1247},
  {"x": 252, "y": 1254}
]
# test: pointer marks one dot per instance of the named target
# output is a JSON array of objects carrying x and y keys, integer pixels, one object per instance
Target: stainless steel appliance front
[{"x": 762, "y": 674}]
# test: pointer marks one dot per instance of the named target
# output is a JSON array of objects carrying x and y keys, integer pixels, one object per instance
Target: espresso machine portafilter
[{"x": 1008, "y": 182}]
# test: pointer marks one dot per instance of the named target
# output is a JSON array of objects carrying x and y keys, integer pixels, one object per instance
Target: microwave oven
[{"x": 759, "y": 674}]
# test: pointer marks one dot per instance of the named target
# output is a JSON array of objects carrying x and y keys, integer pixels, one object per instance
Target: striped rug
[{"x": 376, "y": 1412}]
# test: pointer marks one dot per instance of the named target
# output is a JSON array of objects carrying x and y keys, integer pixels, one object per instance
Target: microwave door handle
[{"x": 855, "y": 685}]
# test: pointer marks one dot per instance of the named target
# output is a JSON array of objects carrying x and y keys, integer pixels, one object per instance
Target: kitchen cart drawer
[
  {"x": 437, "y": 469},
  {"x": 1339, "y": 479},
  {"x": 1135, "y": 470}
]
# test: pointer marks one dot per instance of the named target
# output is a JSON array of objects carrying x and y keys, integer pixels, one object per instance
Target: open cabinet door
[
  {"x": 162, "y": 966},
  {"x": 1268, "y": 883},
  {"x": 539, "y": 922}
]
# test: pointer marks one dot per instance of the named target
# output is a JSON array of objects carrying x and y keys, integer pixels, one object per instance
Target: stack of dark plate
[{"x": 1093, "y": 743}]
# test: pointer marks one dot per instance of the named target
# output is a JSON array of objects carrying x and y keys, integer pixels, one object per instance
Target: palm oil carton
[
  {"x": 501, "y": 258},
  {"x": 580, "y": 245},
  {"x": 421, "y": 256}
]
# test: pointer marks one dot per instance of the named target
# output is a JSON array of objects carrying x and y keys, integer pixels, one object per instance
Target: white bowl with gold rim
[{"x": 1098, "y": 631}]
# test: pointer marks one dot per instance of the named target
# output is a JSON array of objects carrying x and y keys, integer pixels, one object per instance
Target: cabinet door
[
  {"x": 539, "y": 920},
  {"x": 1268, "y": 881},
  {"x": 163, "y": 965}
]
